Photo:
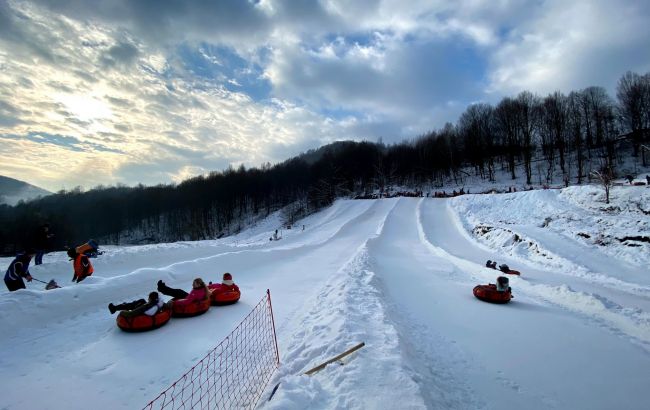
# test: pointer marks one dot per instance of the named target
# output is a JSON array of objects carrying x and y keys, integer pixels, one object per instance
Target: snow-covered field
[{"x": 396, "y": 274}]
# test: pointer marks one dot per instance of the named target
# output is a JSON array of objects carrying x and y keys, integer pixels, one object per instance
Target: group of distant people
[{"x": 200, "y": 292}]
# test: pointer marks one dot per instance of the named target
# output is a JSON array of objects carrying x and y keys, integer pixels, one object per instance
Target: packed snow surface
[{"x": 396, "y": 274}]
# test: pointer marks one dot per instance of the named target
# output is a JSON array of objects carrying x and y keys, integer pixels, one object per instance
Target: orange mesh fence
[{"x": 232, "y": 375}]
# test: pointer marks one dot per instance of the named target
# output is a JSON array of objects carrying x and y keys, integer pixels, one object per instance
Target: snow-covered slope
[{"x": 396, "y": 274}]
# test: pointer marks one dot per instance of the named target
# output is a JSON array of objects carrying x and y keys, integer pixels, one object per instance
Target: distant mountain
[{"x": 13, "y": 191}]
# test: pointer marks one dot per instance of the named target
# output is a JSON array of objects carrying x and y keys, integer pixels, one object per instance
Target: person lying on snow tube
[
  {"x": 490, "y": 264},
  {"x": 226, "y": 292},
  {"x": 188, "y": 304},
  {"x": 139, "y": 307},
  {"x": 139, "y": 315},
  {"x": 506, "y": 269},
  {"x": 499, "y": 293}
]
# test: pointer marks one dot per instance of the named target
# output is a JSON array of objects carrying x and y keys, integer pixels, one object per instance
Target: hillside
[
  {"x": 396, "y": 274},
  {"x": 13, "y": 191}
]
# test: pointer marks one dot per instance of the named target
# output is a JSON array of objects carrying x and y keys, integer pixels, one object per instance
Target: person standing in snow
[
  {"x": 139, "y": 307},
  {"x": 19, "y": 269},
  {"x": 41, "y": 242},
  {"x": 81, "y": 264},
  {"x": 199, "y": 292}
]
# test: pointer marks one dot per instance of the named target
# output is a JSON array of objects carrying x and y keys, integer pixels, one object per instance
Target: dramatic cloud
[
  {"x": 151, "y": 92},
  {"x": 571, "y": 45}
]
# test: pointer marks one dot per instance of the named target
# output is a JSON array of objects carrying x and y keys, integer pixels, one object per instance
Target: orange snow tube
[
  {"x": 513, "y": 272},
  {"x": 189, "y": 309},
  {"x": 227, "y": 297},
  {"x": 489, "y": 293},
  {"x": 142, "y": 323}
]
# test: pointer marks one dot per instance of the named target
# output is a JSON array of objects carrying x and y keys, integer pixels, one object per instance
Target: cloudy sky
[{"x": 121, "y": 91}]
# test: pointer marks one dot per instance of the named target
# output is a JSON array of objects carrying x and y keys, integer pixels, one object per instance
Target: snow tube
[
  {"x": 189, "y": 309},
  {"x": 224, "y": 297},
  {"x": 142, "y": 323},
  {"x": 513, "y": 272},
  {"x": 489, "y": 293}
]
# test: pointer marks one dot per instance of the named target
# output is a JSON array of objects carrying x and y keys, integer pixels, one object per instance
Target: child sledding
[
  {"x": 226, "y": 292},
  {"x": 186, "y": 304},
  {"x": 141, "y": 315},
  {"x": 501, "y": 292}
]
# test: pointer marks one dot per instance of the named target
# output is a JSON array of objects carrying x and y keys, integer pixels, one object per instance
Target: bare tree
[
  {"x": 474, "y": 128},
  {"x": 505, "y": 115},
  {"x": 552, "y": 128},
  {"x": 526, "y": 119},
  {"x": 576, "y": 120},
  {"x": 606, "y": 178},
  {"x": 632, "y": 93}
]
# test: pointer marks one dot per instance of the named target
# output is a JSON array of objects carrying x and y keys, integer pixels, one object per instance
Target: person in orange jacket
[{"x": 82, "y": 266}]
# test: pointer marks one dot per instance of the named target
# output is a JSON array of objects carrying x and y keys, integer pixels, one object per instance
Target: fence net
[{"x": 232, "y": 375}]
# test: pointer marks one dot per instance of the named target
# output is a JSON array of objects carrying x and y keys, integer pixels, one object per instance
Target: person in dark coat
[
  {"x": 41, "y": 242},
  {"x": 19, "y": 269},
  {"x": 139, "y": 307}
]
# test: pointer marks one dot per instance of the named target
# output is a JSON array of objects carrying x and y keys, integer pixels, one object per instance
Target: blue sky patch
[{"x": 227, "y": 68}]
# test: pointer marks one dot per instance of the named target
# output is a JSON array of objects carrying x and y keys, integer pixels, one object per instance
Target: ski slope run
[{"x": 396, "y": 274}]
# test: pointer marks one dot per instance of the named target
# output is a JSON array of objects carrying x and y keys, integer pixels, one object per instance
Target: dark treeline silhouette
[{"x": 557, "y": 138}]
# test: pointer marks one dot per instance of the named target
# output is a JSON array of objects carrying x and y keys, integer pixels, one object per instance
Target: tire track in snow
[
  {"x": 348, "y": 309},
  {"x": 437, "y": 364},
  {"x": 542, "y": 241},
  {"x": 633, "y": 323}
]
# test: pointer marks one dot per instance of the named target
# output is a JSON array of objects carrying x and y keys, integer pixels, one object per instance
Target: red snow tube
[
  {"x": 225, "y": 297},
  {"x": 189, "y": 309},
  {"x": 489, "y": 293},
  {"x": 513, "y": 272},
  {"x": 142, "y": 323}
]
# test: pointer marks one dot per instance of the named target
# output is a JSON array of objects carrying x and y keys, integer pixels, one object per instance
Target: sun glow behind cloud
[{"x": 85, "y": 107}]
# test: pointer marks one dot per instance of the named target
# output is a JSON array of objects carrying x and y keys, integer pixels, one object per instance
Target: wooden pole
[{"x": 342, "y": 355}]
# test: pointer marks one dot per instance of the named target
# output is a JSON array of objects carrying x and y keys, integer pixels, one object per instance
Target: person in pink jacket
[{"x": 199, "y": 292}]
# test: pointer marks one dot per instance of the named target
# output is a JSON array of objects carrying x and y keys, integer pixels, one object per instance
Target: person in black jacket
[
  {"x": 19, "y": 269},
  {"x": 41, "y": 242},
  {"x": 139, "y": 307}
]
